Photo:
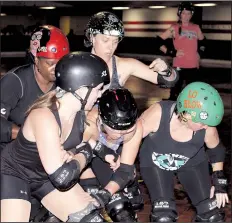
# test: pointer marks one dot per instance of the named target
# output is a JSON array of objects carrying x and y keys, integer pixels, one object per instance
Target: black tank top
[
  {"x": 165, "y": 152},
  {"x": 115, "y": 79},
  {"x": 21, "y": 158}
]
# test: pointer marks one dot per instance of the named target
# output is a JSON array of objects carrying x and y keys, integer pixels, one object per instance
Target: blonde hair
[{"x": 45, "y": 101}]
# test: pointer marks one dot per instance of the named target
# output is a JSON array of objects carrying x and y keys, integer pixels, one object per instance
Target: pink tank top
[{"x": 186, "y": 41}]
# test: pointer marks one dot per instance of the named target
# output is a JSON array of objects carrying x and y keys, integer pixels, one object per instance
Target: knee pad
[
  {"x": 120, "y": 209},
  {"x": 207, "y": 211},
  {"x": 132, "y": 192},
  {"x": 90, "y": 185},
  {"x": 163, "y": 210},
  {"x": 88, "y": 214}
]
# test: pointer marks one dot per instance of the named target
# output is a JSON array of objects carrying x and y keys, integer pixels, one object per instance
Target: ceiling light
[
  {"x": 120, "y": 8},
  {"x": 157, "y": 7},
  {"x": 3, "y": 14},
  {"x": 205, "y": 4},
  {"x": 47, "y": 7}
]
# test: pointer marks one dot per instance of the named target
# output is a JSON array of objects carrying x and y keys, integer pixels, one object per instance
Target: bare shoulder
[
  {"x": 38, "y": 113},
  {"x": 153, "y": 111},
  {"x": 150, "y": 119},
  {"x": 126, "y": 60}
]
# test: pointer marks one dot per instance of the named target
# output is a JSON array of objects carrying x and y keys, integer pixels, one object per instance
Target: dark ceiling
[{"x": 78, "y": 8}]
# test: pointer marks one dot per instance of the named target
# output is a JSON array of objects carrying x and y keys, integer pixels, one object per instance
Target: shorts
[{"x": 15, "y": 188}]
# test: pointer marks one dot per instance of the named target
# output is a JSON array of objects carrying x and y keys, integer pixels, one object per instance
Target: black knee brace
[
  {"x": 88, "y": 214},
  {"x": 207, "y": 211},
  {"x": 163, "y": 210},
  {"x": 120, "y": 209},
  {"x": 133, "y": 193},
  {"x": 90, "y": 185}
]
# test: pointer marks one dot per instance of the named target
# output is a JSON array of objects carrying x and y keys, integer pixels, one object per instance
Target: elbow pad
[
  {"x": 6, "y": 130},
  {"x": 123, "y": 175},
  {"x": 201, "y": 47},
  {"x": 159, "y": 41},
  {"x": 164, "y": 82},
  {"x": 66, "y": 176},
  {"x": 217, "y": 154}
]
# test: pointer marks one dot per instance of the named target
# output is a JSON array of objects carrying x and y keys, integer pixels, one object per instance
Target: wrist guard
[
  {"x": 102, "y": 150},
  {"x": 219, "y": 181},
  {"x": 103, "y": 197}
]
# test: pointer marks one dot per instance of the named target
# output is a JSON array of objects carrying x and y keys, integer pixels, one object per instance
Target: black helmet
[
  {"x": 118, "y": 109},
  {"x": 81, "y": 69},
  {"x": 104, "y": 23},
  {"x": 185, "y": 5}
]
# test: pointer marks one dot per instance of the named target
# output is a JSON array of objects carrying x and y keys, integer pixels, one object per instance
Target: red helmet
[{"x": 53, "y": 44}]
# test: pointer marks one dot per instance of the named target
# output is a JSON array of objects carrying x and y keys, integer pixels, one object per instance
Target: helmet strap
[{"x": 83, "y": 103}]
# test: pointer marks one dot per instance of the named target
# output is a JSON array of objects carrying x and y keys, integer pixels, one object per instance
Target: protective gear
[
  {"x": 102, "y": 150},
  {"x": 120, "y": 210},
  {"x": 90, "y": 185},
  {"x": 81, "y": 69},
  {"x": 202, "y": 47},
  {"x": 163, "y": 82},
  {"x": 86, "y": 150},
  {"x": 185, "y": 6},
  {"x": 159, "y": 42},
  {"x": 103, "y": 197},
  {"x": 124, "y": 175},
  {"x": 66, "y": 176},
  {"x": 219, "y": 181},
  {"x": 163, "y": 211},
  {"x": 217, "y": 154},
  {"x": 53, "y": 43},
  {"x": 202, "y": 102},
  {"x": 207, "y": 211},
  {"x": 171, "y": 52},
  {"x": 103, "y": 23},
  {"x": 132, "y": 192},
  {"x": 118, "y": 109},
  {"x": 88, "y": 214}
]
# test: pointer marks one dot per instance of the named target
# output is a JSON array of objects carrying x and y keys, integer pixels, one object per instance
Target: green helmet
[{"x": 202, "y": 102}]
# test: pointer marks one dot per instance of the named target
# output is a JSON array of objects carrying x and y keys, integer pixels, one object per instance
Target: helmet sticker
[
  {"x": 53, "y": 50},
  {"x": 203, "y": 115},
  {"x": 191, "y": 103}
]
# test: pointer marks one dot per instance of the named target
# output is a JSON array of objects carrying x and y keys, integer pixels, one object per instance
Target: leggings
[
  {"x": 195, "y": 180},
  {"x": 186, "y": 76}
]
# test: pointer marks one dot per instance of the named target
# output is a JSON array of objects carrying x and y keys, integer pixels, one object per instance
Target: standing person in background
[{"x": 186, "y": 36}]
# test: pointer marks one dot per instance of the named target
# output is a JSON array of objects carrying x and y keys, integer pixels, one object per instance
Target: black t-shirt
[{"x": 18, "y": 90}]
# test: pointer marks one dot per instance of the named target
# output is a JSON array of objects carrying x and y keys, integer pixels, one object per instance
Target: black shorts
[{"x": 15, "y": 188}]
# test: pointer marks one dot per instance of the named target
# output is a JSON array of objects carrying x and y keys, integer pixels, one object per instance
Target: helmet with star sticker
[
  {"x": 202, "y": 102},
  {"x": 105, "y": 23}
]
